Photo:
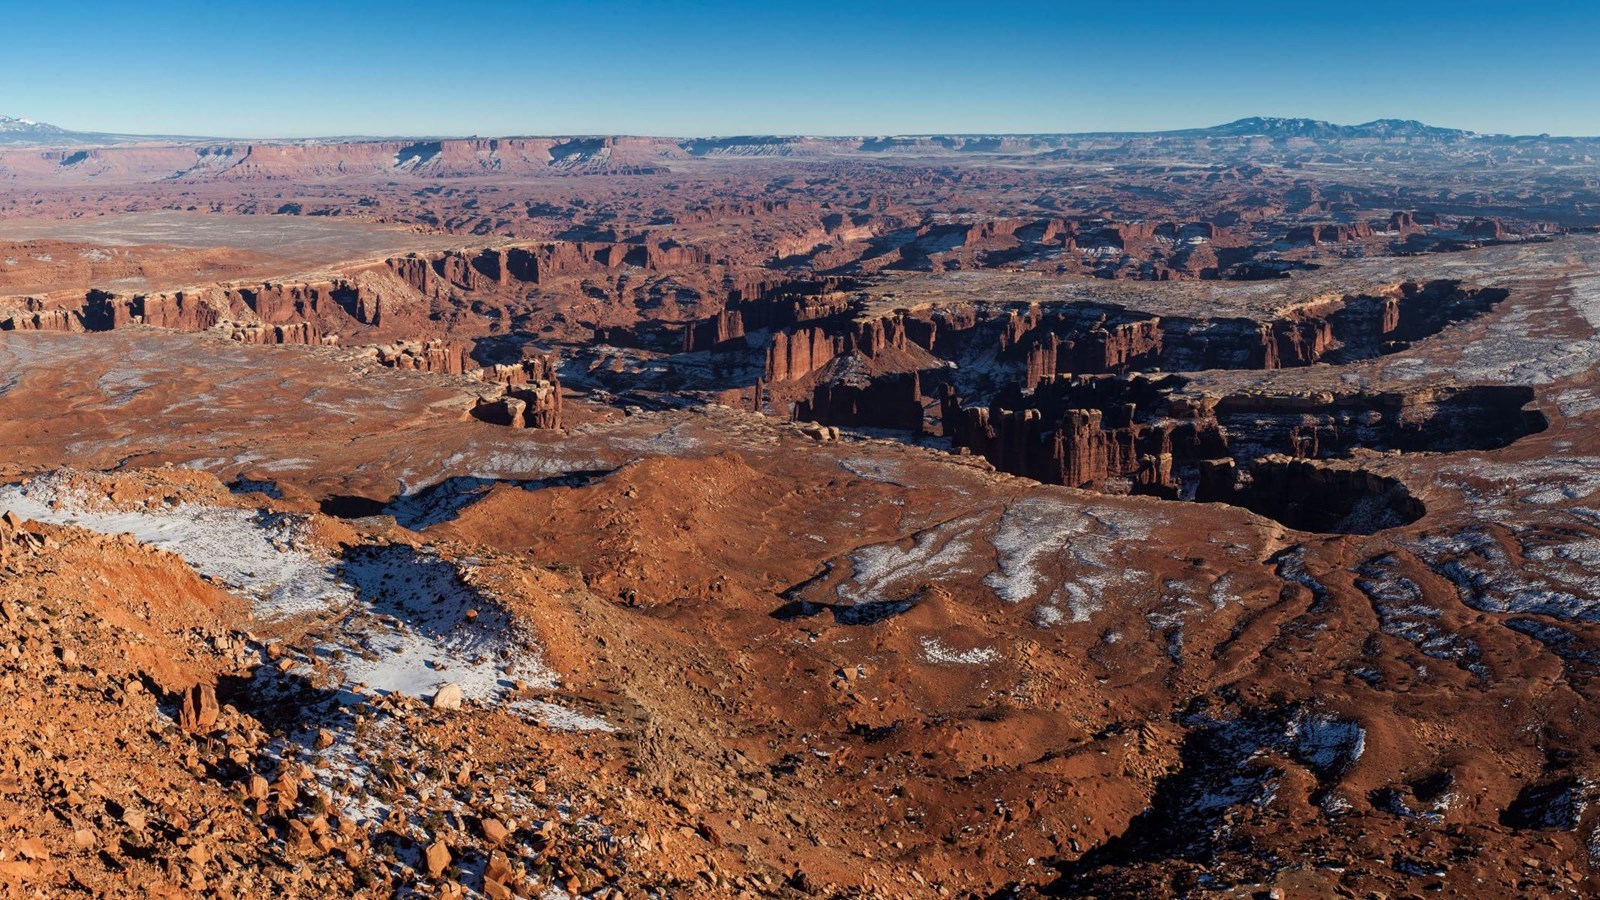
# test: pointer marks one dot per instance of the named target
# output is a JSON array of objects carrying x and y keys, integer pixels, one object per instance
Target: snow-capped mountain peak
[{"x": 10, "y": 125}]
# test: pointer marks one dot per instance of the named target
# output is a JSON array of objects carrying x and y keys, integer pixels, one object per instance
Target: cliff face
[
  {"x": 1405, "y": 224},
  {"x": 1330, "y": 233},
  {"x": 536, "y": 405},
  {"x": 434, "y": 274},
  {"x": 1060, "y": 424},
  {"x": 714, "y": 332},
  {"x": 404, "y": 295},
  {"x": 443, "y": 357},
  {"x": 793, "y": 355},
  {"x": 291, "y": 333},
  {"x": 529, "y": 397},
  {"x": 1082, "y": 431},
  {"x": 887, "y": 401},
  {"x": 34, "y": 316},
  {"x": 529, "y": 371},
  {"x": 178, "y": 311},
  {"x": 1089, "y": 431},
  {"x": 1119, "y": 347}
]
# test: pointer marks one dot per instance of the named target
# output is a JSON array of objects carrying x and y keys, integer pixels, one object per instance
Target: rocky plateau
[{"x": 1209, "y": 513}]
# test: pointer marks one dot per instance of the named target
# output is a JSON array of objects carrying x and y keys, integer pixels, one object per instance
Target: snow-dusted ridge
[{"x": 404, "y": 620}]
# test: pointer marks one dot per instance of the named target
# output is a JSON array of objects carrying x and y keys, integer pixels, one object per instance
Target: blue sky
[{"x": 293, "y": 68}]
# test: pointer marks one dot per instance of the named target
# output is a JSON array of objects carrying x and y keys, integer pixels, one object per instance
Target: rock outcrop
[
  {"x": 439, "y": 356},
  {"x": 529, "y": 397}
]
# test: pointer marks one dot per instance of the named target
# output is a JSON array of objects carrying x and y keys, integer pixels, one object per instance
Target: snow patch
[
  {"x": 265, "y": 557},
  {"x": 559, "y": 718},
  {"x": 1040, "y": 538},
  {"x": 407, "y": 621},
  {"x": 936, "y": 652},
  {"x": 883, "y": 571}
]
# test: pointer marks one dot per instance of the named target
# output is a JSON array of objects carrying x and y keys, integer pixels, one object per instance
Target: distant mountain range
[
  {"x": 1313, "y": 128},
  {"x": 27, "y": 132}
]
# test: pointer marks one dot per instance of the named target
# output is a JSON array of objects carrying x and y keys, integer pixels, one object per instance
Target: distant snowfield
[{"x": 407, "y": 621}]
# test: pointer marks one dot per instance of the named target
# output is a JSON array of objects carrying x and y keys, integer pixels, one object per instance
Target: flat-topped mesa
[
  {"x": 35, "y": 316},
  {"x": 715, "y": 212},
  {"x": 272, "y": 313},
  {"x": 534, "y": 405},
  {"x": 1082, "y": 431},
  {"x": 544, "y": 367},
  {"x": 1485, "y": 229},
  {"x": 1330, "y": 233},
  {"x": 304, "y": 333},
  {"x": 1334, "y": 329},
  {"x": 1091, "y": 245},
  {"x": 447, "y": 158},
  {"x": 446, "y": 357},
  {"x": 315, "y": 303},
  {"x": 754, "y": 302},
  {"x": 543, "y": 403},
  {"x": 1035, "y": 343},
  {"x": 276, "y": 302},
  {"x": 1084, "y": 339},
  {"x": 443, "y": 357},
  {"x": 437, "y": 274},
  {"x": 180, "y": 310},
  {"x": 1405, "y": 224}
]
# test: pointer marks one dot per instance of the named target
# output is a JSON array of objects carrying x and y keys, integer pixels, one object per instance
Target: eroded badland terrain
[{"x": 1213, "y": 513}]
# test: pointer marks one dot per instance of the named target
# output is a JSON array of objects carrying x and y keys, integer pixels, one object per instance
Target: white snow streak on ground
[
  {"x": 1062, "y": 555},
  {"x": 404, "y": 622},
  {"x": 1547, "y": 482},
  {"x": 1042, "y": 532},
  {"x": 261, "y": 556},
  {"x": 559, "y": 718},
  {"x": 412, "y": 632},
  {"x": 885, "y": 572},
  {"x": 882, "y": 471},
  {"x": 1526, "y": 345},
  {"x": 937, "y": 652}
]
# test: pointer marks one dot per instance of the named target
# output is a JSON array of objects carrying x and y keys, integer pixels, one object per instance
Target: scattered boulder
[
  {"x": 437, "y": 858},
  {"x": 495, "y": 831},
  {"x": 448, "y": 697},
  {"x": 199, "y": 710}
]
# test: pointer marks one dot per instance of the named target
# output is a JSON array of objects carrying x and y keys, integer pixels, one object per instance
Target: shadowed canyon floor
[{"x": 948, "y": 575}]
